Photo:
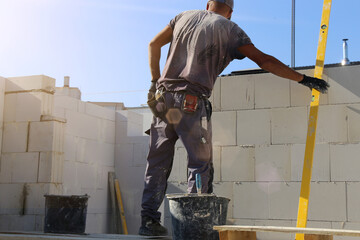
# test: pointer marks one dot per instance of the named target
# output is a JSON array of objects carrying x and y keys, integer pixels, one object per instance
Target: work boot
[{"x": 151, "y": 227}]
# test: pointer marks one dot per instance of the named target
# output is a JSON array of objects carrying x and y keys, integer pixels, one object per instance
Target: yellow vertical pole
[{"x": 311, "y": 134}]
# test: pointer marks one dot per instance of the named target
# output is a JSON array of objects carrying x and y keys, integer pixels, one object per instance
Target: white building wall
[
  {"x": 2, "y": 98},
  {"x": 89, "y": 153}
]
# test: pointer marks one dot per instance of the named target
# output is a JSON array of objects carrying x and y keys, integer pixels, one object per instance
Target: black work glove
[
  {"x": 316, "y": 83},
  {"x": 152, "y": 90}
]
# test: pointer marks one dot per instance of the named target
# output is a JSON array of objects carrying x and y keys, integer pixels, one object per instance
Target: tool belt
[{"x": 189, "y": 105}]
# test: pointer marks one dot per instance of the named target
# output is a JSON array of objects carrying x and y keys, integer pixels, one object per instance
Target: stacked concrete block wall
[
  {"x": 260, "y": 129},
  {"x": 32, "y": 152},
  {"x": 55, "y": 145},
  {"x": 89, "y": 153}
]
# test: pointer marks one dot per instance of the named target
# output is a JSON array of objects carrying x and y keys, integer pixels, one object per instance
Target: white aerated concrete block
[
  {"x": 179, "y": 169},
  {"x": 70, "y": 147},
  {"x": 5, "y": 168},
  {"x": 51, "y": 167},
  {"x": 102, "y": 176},
  {"x": 319, "y": 224},
  {"x": 140, "y": 154},
  {"x": 288, "y": 125},
  {"x": 272, "y": 163},
  {"x": 345, "y": 85},
  {"x": 224, "y": 128},
  {"x": 25, "y": 198},
  {"x": 66, "y": 102},
  {"x": 100, "y": 112},
  {"x": 106, "y": 131},
  {"x": 353, "y": 113},
  {"x": 90, "y": 151},
  {"x": 251, "y": 200},
  {"x": 29, "y": 106},
  {"x": 344, "y": 162},
  {"x": 17, "y": 223},
  {"x": 86, "y": 175},
  {"x": 253, "y": 127},
  {"x": 327, "y": 201},
  {"x": 98, "y": 223},
  {"x": 237, "y": 92},
  {"x": 215, "y": 97},
  {"x": 134, "y": 122},
  {"x": 15, "y": 137},
  {"x": 82, "y": 125},
  {"x": 46, "y": 137},
  {"x": 353, "y": 196},
  {"x": 283, "y": 200},
  {"x": 332, "y": 124},
  {"x": 2, "y": 98},
  {"x": 321, "y": 162},
  {"x": 37, "y": 82},
  {"x": 226, "y": 190},
  {"x": 24, "y": 167},
  {"x": 124, "y": 154},
  {"x": 10, "y": 198},
  {"x": 19, "y": 167},
  {"x": 271, "y": 91},
  {"x": 70, "y": 183},
  {"x": 97, "y": 203},
  {"x": 238, "y": 164},
  {"x": 274, "y": 235},
  {"x": 217, "y": 163}
]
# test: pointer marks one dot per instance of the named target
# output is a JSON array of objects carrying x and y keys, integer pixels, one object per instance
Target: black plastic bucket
[
  {"x": 65, "y": 214},
  {"x": 194, "y": 215}
]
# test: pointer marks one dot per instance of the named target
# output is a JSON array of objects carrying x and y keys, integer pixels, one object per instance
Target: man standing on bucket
[{"x": 203, "y": 43}]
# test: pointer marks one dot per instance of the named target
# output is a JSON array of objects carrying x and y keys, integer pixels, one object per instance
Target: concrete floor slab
[{"x": 46, "y": 236}]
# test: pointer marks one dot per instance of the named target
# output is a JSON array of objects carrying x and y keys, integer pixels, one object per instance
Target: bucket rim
[
  {"x": 67, "y": 196},
  {"x": 188, "y": 195}
]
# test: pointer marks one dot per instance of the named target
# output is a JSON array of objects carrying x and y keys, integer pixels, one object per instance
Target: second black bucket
[{"x": 194, "y": 215}]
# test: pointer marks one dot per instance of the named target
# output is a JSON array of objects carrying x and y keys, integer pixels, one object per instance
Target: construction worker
[{"x": 203, "y": 43}]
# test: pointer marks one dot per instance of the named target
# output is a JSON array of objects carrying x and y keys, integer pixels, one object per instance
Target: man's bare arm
[
  {"x": 270, "y": 63},
  {"x": 161, "y": 39}
]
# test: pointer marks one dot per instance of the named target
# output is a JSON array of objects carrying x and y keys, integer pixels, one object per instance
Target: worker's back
[{"x": 203, "y": 44}]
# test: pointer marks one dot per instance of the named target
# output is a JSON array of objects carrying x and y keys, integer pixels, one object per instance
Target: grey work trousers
[{"x": 194, "y": 130}]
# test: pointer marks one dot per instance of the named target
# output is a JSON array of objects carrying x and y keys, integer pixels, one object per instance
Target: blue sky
[{"x": 102, "y": 44}]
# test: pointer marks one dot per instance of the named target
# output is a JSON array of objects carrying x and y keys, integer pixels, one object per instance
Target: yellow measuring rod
[{"x": 311, "y": 133}]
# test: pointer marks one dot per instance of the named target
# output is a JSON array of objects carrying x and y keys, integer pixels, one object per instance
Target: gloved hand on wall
[{"x": 311, "y": 82}]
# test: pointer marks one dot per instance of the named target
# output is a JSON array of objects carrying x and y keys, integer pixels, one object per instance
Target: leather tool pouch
[
  {"x": 190, "y": 103},
  {"x": 157, "y": 104}
]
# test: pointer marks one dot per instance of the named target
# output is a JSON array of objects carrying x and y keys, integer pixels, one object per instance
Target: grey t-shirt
[{"x": 203, "y": 45}]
